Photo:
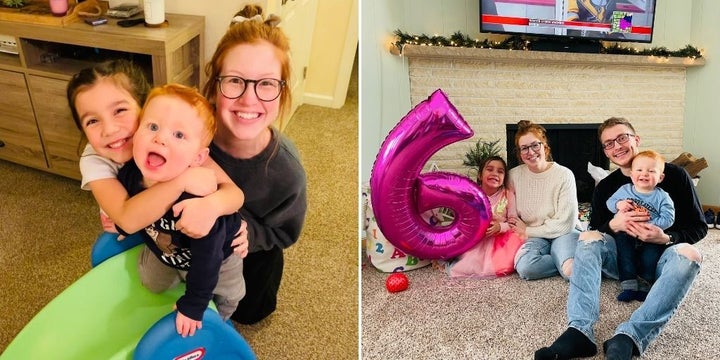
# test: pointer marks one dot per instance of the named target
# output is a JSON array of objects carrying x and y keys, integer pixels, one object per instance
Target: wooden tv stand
[{"x": 36, "y": 127}]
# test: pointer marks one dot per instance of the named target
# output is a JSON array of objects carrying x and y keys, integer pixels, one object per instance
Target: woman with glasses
[
  {"x": 247, "y": 84},
  {"x": 547, "y": 207}
]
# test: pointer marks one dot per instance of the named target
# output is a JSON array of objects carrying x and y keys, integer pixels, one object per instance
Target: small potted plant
[
  {"x": 477, "y": 154},
  {"x": 14, "y": 3}
]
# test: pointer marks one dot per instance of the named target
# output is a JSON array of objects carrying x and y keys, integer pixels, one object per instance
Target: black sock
[
  {"x": 626, "y": 295},
  {"x": 571, "y": 344},
  {"x": 641, "y": 295},
  {"x": 620, "y": 347}
]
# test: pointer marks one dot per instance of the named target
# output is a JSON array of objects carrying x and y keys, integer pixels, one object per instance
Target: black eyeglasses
[
  {"x": 623, "y": 138},
  {"x": 233, "y": 87},
  {"x": 533, "y": 146}
]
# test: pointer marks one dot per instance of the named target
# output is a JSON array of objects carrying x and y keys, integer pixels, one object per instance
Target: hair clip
[{"x": 239, "y": 19}]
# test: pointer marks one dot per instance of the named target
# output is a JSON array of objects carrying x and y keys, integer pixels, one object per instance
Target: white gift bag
[{"x": 382, "y": 254}]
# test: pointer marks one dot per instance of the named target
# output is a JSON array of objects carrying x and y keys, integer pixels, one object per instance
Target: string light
[{"x": 516, "y": 42}]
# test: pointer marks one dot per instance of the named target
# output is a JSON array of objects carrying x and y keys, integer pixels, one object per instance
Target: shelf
[
  {"x": 458, "y": 53},
  {"x": 11, "y": 60},
  {"x": 36, "y": 126},
  {"x": 67, "y": 60}
]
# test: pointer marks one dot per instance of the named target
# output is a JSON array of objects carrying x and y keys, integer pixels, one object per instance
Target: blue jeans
[
  {"x": 674, "y": 273},
  {"x": 636, "y": 258},
  {"x": 540, "y": 258}
]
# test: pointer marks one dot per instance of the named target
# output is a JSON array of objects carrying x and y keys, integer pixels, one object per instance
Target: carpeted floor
[
  {"x": 48, "y": 227},
  {"x": 508, "y": 318}
]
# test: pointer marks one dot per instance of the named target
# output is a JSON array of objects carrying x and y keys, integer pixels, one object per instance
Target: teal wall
[{"x": 385, "y": 89}]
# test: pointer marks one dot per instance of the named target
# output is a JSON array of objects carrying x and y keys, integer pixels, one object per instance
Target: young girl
[
  {"x": 105, "y": 101},
  {"x": 493, "y": 256}
]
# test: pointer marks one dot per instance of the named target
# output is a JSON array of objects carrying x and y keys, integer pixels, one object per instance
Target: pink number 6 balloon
[{"x": 399, "y": 193}]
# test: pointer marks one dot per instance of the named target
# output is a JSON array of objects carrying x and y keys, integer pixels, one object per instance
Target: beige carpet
[
  {"x": 509, "y": 318},
  {"x": 48, "y": 226}
]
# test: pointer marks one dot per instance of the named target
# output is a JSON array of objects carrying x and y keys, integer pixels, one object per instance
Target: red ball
[{"x": 397, "y": 282}]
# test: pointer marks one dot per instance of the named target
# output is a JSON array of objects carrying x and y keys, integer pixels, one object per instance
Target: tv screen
[{"x": 611, "y": 20}]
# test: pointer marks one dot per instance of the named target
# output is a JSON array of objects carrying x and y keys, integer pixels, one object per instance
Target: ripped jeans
[
  {"x": 674, "y": 273},
  {"x": 539, "y": 258}
]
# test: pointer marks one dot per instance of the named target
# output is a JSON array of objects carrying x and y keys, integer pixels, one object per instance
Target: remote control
[{"x": 131, "y": 22}]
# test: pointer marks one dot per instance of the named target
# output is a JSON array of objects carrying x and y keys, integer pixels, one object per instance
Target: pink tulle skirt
[{"x": 492, "y": 257}]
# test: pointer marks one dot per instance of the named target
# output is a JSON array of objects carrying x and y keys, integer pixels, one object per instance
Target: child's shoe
[
  {"x": 626, "y": 295},
  {"x": 641, "y": 295},
  {"x": 710, "y": 219}
]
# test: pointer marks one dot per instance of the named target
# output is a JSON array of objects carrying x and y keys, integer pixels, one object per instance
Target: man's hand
[
  {"x": 621, "y": 220},
  {"x": 184, "y": 325},
  {"x": 648, "y": 233},
  {"x": 240, "y": 244}
]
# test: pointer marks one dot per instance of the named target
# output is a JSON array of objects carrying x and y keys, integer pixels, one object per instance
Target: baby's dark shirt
[{"x": 201, "y": 258}]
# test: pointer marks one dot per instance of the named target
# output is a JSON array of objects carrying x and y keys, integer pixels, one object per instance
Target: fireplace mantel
[
  {"x": 521, "y": 56},
  {"x": 492, "y": 88}
]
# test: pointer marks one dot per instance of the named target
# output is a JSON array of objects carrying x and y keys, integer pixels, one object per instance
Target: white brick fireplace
[{"x": 492, "y": 88}]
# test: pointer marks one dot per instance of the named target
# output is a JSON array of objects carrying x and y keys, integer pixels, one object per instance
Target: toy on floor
[
  {"x": 108, "y": 314},
  {"x": 107, "y": 245},
  {"x": 400, "y": 193},
  {"x": 397, "y": 282}
]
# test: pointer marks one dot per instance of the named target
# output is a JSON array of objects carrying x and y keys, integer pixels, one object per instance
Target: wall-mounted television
[{"x": 610, "y": 20}]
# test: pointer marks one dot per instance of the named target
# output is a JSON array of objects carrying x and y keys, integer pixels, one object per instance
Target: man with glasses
[{"x": 596, "y": 254}]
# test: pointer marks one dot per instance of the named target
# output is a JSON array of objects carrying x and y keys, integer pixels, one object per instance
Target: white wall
[
  {"x": 702, "y": 128},
  {"x": 385, "y": 91},
  {"x": 336, "y": 32},
  {"x": 331, "y": 58},
  {"x": 217, "y": 15}
]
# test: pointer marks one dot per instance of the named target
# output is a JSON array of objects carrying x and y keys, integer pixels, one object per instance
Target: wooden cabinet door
[
  {"x": 61, "y": 137},
  {"x": 19, "y": 137}
]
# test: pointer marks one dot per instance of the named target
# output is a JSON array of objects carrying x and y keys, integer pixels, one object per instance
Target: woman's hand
[
  {"x": 184, "y": 325},
  {"x": 241, "y": 244}
]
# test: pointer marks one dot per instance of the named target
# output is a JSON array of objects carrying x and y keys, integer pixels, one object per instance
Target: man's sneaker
[
  {"x": 717, "y": 222},
  {"x": 710, "y": 218}
]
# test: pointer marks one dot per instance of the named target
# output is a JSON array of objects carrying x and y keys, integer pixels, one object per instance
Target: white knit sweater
[{"x": 546, "y": 202}]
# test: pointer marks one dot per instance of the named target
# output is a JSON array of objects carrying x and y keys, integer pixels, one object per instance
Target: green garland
[{"x": 517, "y": 42}]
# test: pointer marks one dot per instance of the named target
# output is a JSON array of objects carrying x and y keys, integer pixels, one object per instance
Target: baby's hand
[
  {"x": 199, "y": 181},
  {"x": 186, "y": 326},
  {"x": 625, "y": 205}
]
